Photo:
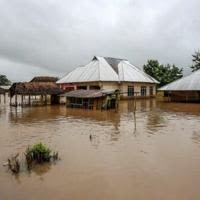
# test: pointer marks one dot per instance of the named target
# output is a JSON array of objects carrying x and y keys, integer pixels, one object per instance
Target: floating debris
[{"x": 90, "y": 137}]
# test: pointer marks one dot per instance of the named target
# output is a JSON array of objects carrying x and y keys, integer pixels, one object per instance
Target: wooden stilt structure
[{"x": 33, "y": 89}]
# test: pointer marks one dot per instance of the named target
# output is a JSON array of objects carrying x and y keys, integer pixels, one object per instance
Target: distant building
[
  {"x": 39, "y": 91},
  {"x": 186, "y": 89},
  {"x": 107, "y": 73},
  {"x": 4, "y": 89}
]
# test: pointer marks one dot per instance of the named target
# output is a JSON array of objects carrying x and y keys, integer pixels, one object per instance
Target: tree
[
  {"x": 196, "y": 61},
  {"x": 4, "y": 80},
  {"x": 163, "y": 73}
]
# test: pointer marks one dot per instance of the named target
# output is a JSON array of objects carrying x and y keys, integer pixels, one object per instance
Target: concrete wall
[
  {"x": 137, "y": 88},
  {"x": 184, "y": 96},
  {"x": 123, "y": 87}
]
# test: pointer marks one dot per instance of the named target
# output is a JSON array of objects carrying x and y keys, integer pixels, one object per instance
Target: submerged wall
[
  {"x": 183, "y": 96},
  {"x": 123, "y": 87}
]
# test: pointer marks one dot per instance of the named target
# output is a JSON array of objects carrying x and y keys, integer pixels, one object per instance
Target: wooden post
[
  {"x": 10, "y": 100},
  {"x": 45, "y": 99},
  {"x": 22, "y": 100},
  {"x": 29, "y": 99},
  {"x": 15, "y": 99},
  {"x": 42, "y": 99},
  {"x": 4, "y": 98}
]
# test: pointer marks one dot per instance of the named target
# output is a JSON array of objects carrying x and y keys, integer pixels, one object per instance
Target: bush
[{"x": 39, "y": 153}]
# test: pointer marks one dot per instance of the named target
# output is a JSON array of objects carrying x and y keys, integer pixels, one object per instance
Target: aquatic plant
[
  {"x": 36, "y": 154},
  {"x": 39, "y": 153}
]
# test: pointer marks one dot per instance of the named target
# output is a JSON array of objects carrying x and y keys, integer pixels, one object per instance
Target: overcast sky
[{"x": 52, "y": 37}]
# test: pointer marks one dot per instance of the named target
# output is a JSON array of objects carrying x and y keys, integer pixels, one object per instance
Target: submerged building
[
  {"x": 105, "y": 73},
  {"x": 39, "y": 91},
  {"x": 92, "y": 99},
  {"x": 186, "y": 89}
]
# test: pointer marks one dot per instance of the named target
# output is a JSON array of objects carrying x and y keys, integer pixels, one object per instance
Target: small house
[
  {"x": 186, "y": 89},
  {"x": 92, "y": 99}
]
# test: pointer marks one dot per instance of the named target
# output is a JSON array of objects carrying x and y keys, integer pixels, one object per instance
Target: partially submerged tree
[
  {"x": 4, "y": 80},
  {"x": 163, "y": 73},
  {"x": 196, "y": 61}
]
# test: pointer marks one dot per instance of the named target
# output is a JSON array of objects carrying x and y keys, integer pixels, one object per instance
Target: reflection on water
[{"x": 105, "y": 154}]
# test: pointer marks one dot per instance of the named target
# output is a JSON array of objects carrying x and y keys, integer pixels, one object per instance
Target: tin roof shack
[
  {"x": 110, "y": 74},
  {"x": 34, "y": 93},
  {"x": 186, "y": 89},
  {"x": 92, "y": 99}
]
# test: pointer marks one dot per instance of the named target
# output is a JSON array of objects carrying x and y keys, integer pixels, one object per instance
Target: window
[
  {"x": 94, "y": 87},
  {"x": 82, "y": 87},
  {"x": 130, "y": 91},
  {"x": 151, "y": 90},
  {"x": 79, "y": 101},
  {"x": 143, "y": 90}
]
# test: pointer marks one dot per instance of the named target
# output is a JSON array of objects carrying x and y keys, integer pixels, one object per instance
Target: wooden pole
[
  {"x": 29, "y": 99},
  {"x": 15, "y": 99},
  {"x": 42, "y": 99},
  {"x": 10, "y": 100},
  {"x": 5, "y": 98},
  {"x": 45, "y": 99},
  {"x": 22, "y": 100}
]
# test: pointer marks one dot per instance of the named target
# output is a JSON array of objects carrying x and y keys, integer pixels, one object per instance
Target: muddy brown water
[{"x": 153, "y": 156}]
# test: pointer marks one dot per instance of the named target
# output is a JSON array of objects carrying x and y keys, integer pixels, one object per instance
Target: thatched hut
[
  {"x": 44, "y": 79},
  {"x": 33, "y": 93}
]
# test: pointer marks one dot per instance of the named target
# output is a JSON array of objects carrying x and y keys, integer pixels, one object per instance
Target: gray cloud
[{"x": 55, "y": 36}]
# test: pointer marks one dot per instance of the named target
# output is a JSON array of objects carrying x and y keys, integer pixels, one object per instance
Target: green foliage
[
  {"x": 4, "y": 80},
  {"x": 196, "y": 61},
  {"x": 39, "y": 153},
  {"x": 163, "y": 73}
]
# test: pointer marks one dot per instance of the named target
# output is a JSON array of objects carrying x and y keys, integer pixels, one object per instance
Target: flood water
[{"x": 154, "y": 156}]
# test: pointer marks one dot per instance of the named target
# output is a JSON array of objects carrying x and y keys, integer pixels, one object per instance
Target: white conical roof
[
  {"x": 187, "y": 83},
  {"x": 107, "y": 69}
]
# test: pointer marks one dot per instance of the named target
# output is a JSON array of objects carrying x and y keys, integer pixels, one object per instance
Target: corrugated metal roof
[
  {"x": 113, "y": 62},
  {"x": 107, "y": 69},
  {"x": 130, "y": 73},
  {"x": 187, "y": 83},
  {"x": 87, "y": 93}
]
